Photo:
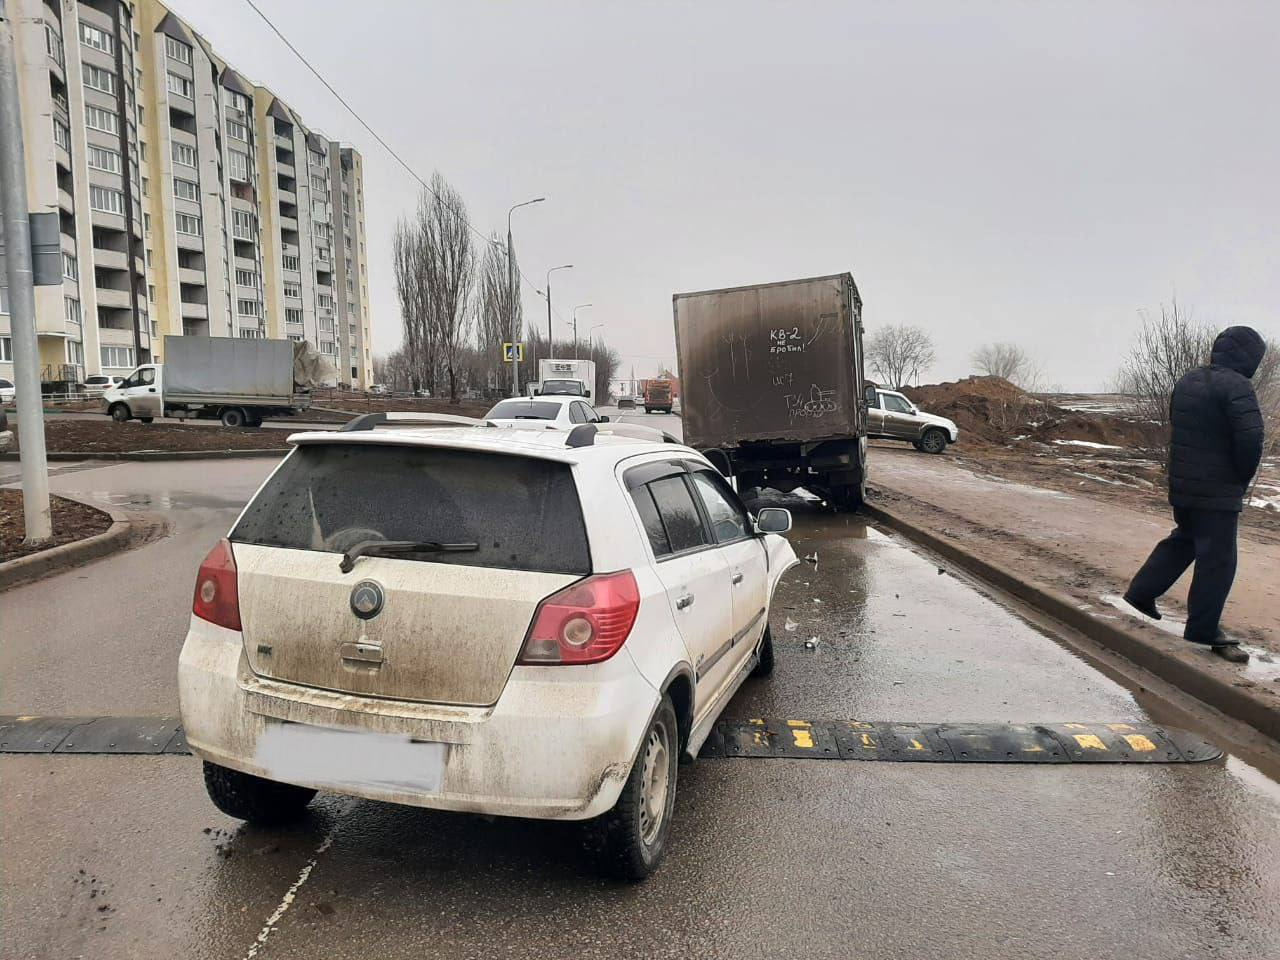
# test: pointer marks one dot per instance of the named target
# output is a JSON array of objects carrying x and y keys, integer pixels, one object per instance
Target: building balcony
[
  {"x": 187, "y": 242},
  {"x": 289, "y": 223},
  {"x": 191, "y": 276},
  {"x": 112, "y": 259},
  {"x": 195, "y": 311},
  {"x": 285, "y": 169},
  {"x": 283, "y": 142},
  {"x": 114, "y": 299},
  {"x": 287, "y": 196},
  {"x": 65, "y": 200}
]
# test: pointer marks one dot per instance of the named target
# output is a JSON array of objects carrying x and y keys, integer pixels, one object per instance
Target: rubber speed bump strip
[{"x": 787, "y": 739}]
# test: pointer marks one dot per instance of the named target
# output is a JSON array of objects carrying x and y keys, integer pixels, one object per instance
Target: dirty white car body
[
  {"x": 440, "y": 699},
  {"x": 560, "y": 411}
]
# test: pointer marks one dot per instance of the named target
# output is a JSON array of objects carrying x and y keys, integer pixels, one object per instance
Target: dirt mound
[
  {"x": 993, "y": 410},
  {"x": 107, "y": 436}
]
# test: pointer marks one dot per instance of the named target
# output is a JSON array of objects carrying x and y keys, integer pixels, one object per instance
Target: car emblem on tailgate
[{"x": 367, "y": 599}]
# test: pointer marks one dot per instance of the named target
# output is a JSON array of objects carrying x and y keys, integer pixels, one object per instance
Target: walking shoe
[
  {"x": 1146, "y": 608},
  {"x": 1231, "y": 652}
]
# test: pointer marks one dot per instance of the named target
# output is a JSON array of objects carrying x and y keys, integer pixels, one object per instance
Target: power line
[{"x": 373, "y": 133}]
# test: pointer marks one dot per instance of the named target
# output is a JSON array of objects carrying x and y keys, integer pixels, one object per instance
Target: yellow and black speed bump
[
  {"x": 789, "y": 739},
  {"x": 957, "y": 742}
]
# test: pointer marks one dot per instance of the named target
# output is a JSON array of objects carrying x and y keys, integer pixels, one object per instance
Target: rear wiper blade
[{"x": 370, "y": 547}]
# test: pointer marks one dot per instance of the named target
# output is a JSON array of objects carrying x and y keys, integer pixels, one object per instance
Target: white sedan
[
  {"x": 564, "y": 411},
  {"x": 529, "y": 623},
  {"x": 7, "y": 391}
]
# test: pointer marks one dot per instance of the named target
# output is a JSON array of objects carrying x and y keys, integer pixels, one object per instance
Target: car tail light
[
  {"x": 584, "y": 623},
  {"x": 217, "y": 594}
]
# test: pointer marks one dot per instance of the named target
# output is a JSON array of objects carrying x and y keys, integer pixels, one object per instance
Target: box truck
[
  {"x": 575, "y": 378},
  {"x": 772, "y": 384}
]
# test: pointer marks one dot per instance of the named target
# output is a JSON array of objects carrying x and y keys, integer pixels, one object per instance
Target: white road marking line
[{"x": 287, "y": 901}]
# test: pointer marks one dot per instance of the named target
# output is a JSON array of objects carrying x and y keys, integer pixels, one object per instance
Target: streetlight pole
[
  {"x": 575, "y": 327},
  {"x": 38, "y": 523},
  {"x": 512, "y": 293},
  {"x": 551, "y": 339}
]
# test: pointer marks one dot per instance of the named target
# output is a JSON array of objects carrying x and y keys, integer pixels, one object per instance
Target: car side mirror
[
  {"x": 869, "y": 395},
  {"x": 773, "y": 520},
  {"x": 602, "y": 419}
]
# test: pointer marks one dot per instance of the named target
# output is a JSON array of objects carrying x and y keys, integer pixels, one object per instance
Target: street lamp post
[
  {"x": 591, "y": 335},
  {"x": 580, "y": 306},
  {"x": 512, "y": 292},
  {"x": 551, "y": 336}
]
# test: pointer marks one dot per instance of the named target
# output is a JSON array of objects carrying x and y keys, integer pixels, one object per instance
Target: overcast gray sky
[{"x": 1034, "y": 172}]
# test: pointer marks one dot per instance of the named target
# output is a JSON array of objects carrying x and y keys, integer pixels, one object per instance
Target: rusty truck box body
[{"x": 775, "y": 362}]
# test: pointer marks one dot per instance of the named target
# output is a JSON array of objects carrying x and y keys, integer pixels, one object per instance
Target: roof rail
[
  {"x": 585, "y": 434},
  {"x": 368, "y": 421}
]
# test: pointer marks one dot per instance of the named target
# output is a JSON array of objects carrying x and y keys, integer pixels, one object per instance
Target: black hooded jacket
[{"x": 1217, "y": 427}]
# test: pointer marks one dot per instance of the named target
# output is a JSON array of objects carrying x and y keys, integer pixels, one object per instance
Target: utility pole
[
  {"x": 513, "y": 291},
  {"x": 22, "y": 296},
  {"x": 575, "y": 326},
  {"x": 551, "y": 337}
]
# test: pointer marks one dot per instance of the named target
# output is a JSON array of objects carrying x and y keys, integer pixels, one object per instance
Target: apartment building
[{"x": 192, "y": 202}]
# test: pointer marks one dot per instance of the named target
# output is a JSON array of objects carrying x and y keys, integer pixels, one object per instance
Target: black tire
[
  {"x": 846, "y": 496},
  {"x": 764, "y": 668},
  {"x": 629, "y": 844},
  {"x": 147, "y": 419},
  {"x": 233, "y": 417},
  {"x": 917, "y": 445},
  {"x": 933, "y": 441},
  {"x": 120, "y": 413},
  {"x": 253, "y": 799}
]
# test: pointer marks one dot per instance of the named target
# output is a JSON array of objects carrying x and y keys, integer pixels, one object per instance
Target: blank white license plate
[{"x": 361, "y": 759}]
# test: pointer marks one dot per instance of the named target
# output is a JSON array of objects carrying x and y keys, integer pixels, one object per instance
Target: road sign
[{"x": 513, "y": 353}]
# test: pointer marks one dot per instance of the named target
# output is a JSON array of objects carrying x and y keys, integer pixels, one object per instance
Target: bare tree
[
  {"x": 898, "y": 354},
  {"x": 495, "y": 306},
  {"x": 1007, "y": 360},
  {"x": 449, "y": 269},
  {"x": 408, "y": 258}
]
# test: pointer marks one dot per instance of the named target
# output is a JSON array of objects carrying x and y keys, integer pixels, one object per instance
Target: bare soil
[
  {"x": 107, "y": 436},
  {"x": 352, "y": 404},
  {"x": 71, "y": 521}
]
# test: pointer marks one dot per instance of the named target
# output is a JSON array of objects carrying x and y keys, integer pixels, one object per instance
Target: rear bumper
[{"x": 557, "y": 745}]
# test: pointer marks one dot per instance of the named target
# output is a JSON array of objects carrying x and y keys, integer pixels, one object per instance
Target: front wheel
[
  {"x": 633, "y": 835},
  {"x": 119, "y": 413},
  {"x": 933, "y": 441},
  {"x": 764, "y": 666},
  {"x": 253, "y": 799}
]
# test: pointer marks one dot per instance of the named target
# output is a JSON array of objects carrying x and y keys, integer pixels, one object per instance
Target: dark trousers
[{"x": 1207, "y": 538}]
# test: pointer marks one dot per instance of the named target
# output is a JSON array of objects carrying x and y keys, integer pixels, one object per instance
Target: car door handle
[
  {"x": 151, "y": 390},
  {"x": 737, "y": 578},
  {"x": 683, "y": 603}
]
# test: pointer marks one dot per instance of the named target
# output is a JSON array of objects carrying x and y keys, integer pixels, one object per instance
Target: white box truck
[
  {"x": 573, "y": 378},
  {"x": 238, "y": 381}
]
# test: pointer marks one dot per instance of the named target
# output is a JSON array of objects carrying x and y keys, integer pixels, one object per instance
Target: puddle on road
[{"x": 167, "y": 500}]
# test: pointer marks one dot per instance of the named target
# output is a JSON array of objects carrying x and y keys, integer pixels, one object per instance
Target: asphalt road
[{"x": 110, "y": 857}]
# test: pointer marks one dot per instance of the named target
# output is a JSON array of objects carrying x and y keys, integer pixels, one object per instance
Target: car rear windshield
[
  {"x": 524, "y": 410},
  {"x": 523, "y": 512}
]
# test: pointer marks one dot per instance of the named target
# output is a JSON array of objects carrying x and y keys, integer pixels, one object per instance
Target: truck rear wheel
[
  {"x": 233, "y": 417},
  {"x": 846, "y": 496}
]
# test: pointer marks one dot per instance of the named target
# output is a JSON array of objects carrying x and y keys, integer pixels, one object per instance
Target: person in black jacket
[{"x": 1216, "y": 449}]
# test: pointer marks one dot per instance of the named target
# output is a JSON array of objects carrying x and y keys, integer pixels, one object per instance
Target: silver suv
[{"x": 894, "y": 417}]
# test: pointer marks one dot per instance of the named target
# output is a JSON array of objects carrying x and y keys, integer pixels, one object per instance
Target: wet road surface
[{"x": 768, "y": 858}]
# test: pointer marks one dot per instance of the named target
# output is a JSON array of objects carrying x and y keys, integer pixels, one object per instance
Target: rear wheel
[
  {"x": 633, "y": 835},
  {"x": 253, "y": 799},
  {"x": 764, "y": 667},
  {"x": 233, "y": 417},
  {"x": 846, "y": 496},
  {"x": 119, "y": 413},
  {"x": 933, "y": 441}
]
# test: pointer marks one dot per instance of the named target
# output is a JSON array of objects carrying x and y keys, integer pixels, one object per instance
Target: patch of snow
[
  {"x": 1094, "y": 476},
  {"x": 1087, "y": 443}
]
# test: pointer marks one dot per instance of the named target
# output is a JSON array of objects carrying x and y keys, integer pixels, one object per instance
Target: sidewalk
[{"x": 1083, "y": 546}]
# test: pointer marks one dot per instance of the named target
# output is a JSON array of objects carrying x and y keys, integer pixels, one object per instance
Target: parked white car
[
  {"x": 560, "y": 411},
  {"x": 7, "y": 391},
  {"x": 893, "y": 417},
  {"x": 530, "y": 623},
  {"x": 99, "y": 384}
]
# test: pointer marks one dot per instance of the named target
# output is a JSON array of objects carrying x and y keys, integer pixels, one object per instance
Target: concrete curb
[
  {"x": 158, "y": 455},
  {"x": 37, "y": 566},
  {"x": 1151, "y": 649}
]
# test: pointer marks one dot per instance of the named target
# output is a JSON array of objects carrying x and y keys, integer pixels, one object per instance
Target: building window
[
  {"x": 74, "y": 352},
  {"x": 239, "y": 165},
  {"x": 100, "y": 158},
  {"x": 249, "y": 308},
  {"x": 325, "y": 301},
  {"x": 319, "y": 183},
  {"x": 53, "y": 44},
  {"x": 95, "y": 118},
  {"x": 6, "y": 350},
  {"x": 293, "y": 291},
  {"x": 4, "y": 300},
  {"x": 106, "y": 200},
  {"x": 247, "y": 278},
  {"x": 61, "y": 135},
  {"x": 177, "y": 50},
  {"x": 70, "y": 269},
  {"x": 184, "y": 154},
  {"x": 71, "y": 310},
  {"x": 185, "y": 189},
  {"x": 93, "y": 37},
  {"x": 295, "y": 337},
  {"x": 292, "y": 314},
  {"x": 99, "y": 79},
  {"x": 185, "y": 223},
  {"x": 151, "y": 292},
  {"x": 179, "y": 85},
  {"x": 237, "y": 101},
  {"x": 237, "y": 130},
  {"x": 289, "y": 262},
  {"x": 328, "y": 348},
  {"x": 252, "y": 333},
  {"x": 242, "y": 225},
  {"x": 117, "y": 356}
]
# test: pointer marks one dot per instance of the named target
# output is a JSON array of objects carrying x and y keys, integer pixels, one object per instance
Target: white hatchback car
[
  {"x": 560, "y": 411},
  {"x": 487, "y": 619}
]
